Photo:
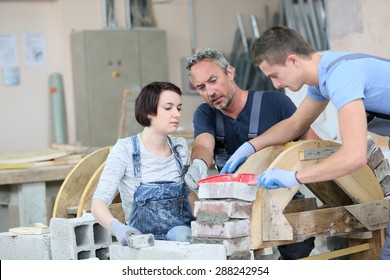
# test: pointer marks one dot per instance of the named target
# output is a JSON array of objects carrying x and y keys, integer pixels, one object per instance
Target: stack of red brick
[{"x": 223, "y": 214}]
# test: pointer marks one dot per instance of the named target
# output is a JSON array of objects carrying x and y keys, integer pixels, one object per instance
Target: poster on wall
[
  {"x": 34, "y": 49},
  {"x": 8, "y": 51},
  {"x": 11, "y": 76}
]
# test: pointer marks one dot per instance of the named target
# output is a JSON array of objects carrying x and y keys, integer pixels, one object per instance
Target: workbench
[{"x": 26, "y": 188}]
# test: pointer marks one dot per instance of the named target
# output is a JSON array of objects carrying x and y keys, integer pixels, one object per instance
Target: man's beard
[
  {"x": 224, "y": 104},
  {"x": 228, "y": 100}
]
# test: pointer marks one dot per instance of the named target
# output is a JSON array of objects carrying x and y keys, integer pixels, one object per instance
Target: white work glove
[
  {"x": 239, "y": 156},
  {"x": 197, "y": 171},
  {"x": 276, "y": 178},
  {"x": 121, "y": 231}
]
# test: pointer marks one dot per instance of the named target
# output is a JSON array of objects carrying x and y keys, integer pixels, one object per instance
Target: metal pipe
[{"x": 191, "y": 21}]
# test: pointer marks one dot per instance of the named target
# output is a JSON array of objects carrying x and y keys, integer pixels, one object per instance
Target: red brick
[
  {"x": 232, "y": 245},
  {"x": 228, "y": 229},
  {"x": 236, "y": 190},
  {"x": 222, "y": 210}
]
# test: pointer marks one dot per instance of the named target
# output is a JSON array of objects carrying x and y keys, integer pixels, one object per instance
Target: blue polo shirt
[{"x": 348, "y": 80}]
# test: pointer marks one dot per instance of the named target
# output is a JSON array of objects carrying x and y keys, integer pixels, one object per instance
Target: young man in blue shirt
[{"x": 356, "y": 84}]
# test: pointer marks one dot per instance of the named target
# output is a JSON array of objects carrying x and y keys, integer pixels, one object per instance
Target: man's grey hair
[{"x": 209, "y": 55}]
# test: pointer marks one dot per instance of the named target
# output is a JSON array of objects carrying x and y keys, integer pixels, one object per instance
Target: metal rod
[{"x": 192, "y": 25}]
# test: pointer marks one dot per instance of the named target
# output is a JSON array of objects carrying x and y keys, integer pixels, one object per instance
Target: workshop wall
[{"x": 25, "y": 108}]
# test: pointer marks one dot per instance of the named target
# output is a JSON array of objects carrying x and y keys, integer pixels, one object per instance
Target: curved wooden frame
[{"x": 74, "y": 184}]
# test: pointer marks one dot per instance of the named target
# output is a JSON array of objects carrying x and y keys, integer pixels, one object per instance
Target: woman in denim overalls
[
  {"x": 160, "y": 207},
  {"x": 147, "y": 169}
]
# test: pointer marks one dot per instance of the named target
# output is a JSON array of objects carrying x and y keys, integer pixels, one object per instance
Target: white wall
[{"x": 25, "y": 109}]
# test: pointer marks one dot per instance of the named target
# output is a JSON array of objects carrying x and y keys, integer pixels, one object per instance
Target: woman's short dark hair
[{"x": 147, "y": 101}]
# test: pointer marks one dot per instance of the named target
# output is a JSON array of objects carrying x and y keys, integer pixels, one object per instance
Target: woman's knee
[{"x": 179, "y": 233}]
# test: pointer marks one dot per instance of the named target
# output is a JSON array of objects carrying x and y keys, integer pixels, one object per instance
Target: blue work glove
[
  {"x": 239, "y": 156},
  {"x": 121, "y": 231},
  {"x": 197, "y": 171},
  {"x": 276, "y": 178}
]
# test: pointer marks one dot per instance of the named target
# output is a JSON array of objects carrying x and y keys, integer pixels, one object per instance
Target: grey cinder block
[{"x": 79, "y": 238}]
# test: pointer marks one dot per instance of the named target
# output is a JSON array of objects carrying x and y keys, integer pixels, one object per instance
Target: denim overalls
[{"x": 159, "y": 206}]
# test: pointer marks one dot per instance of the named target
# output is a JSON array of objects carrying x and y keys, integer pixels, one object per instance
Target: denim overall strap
[
  {"x": 179, "y": 162},
  {"x": 136, "y": 159}
]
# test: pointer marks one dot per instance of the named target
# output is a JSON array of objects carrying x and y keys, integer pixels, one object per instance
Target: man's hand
[
  {"x": 239, "y": 156},
  {"x": 276, "y": 178},
  {"x": 121, "y": 231},
  {"x": 197, "y": 171}
]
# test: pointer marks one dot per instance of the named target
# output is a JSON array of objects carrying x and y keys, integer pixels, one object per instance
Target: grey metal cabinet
[{"x": 104, "y": 64}]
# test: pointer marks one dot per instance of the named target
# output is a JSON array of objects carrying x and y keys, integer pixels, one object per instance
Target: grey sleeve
[{"x": 113, "y": 172}]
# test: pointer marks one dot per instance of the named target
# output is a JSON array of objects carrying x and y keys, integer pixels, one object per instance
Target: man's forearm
[
  {"x": 203, "y": 154},
  {"x": 278, "y": 134}
]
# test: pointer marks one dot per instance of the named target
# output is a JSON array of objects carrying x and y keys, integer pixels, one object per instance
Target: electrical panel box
[{"x": 105, "y": 63}]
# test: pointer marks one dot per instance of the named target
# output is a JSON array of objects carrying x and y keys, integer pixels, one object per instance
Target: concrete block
[
  {"x": 375, "y": 158},
  {"x": 236, "y": 190},
  {"x": 79, "y": 238},
  {"x": 25, "y": 247},
  {"x": 228, "y": 229},
  {"x": 169, "y": 250},
  {"x": 222, "y": 210},
  {"x": 140, "y": 240},
  {"x": 232, "y": 245}
]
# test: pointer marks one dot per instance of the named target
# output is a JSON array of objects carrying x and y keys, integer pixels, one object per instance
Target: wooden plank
[
  {"x": 329, "y": 193},
  {"x": 340, "y": 253},
  {"x": 70, "y": 148},
  {"x": 373, "y": 215},
  {"x": 300, "y": 205},
  {"x": 376, "y": 244},
  {"x": 361, "y": 186},
  {"x": 34, "y": 175},
  {"x": 323, "y": 222},
  {"x": 275, "y": 225},
  {"x": 317, "y": 153},
  {"x": 31, "y": 156},
  {"x": 58, "y": 161}
]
